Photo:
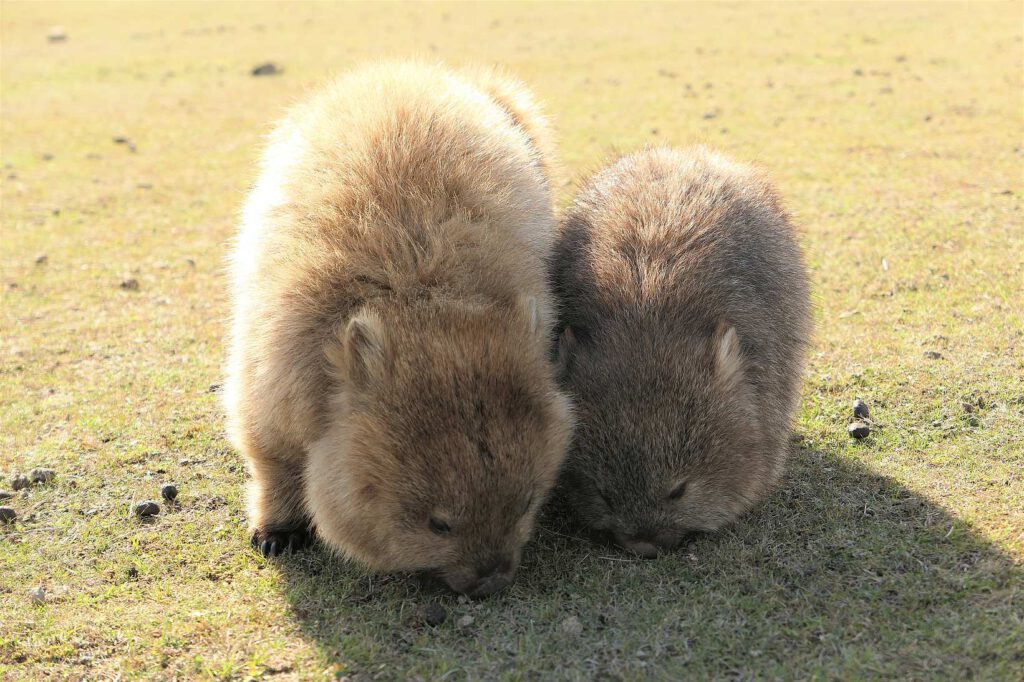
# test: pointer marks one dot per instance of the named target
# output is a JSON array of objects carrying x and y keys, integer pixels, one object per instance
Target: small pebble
[
  {"x": 6, "y": 495},
  {"x": 571, "y": 626},
  {"x": 435, "y": 614},
  {"x": 19, "y": 481},
  {"x": 37, "y": 595},
  {"x": 933, "y": 355},
  {"x": 267, "y": 69},
  {"x": 169, "y": 492},
  {"x": 466, "y": 622},
  {"x": 57, "y": 34},
  {"x": 42, "y": 258},
  {"x": 42, "y": 475},
  {"x": 858, "y": 430},
  {"x": 861, "y": 409},
  {"x": 130, "y": 284},
  {"x": 146, "y": 509},
  {"x": 8, "y": 515}
]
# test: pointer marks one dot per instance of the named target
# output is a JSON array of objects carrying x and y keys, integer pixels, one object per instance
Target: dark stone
[
  {"x": 169, "y": 492},
  {"x": 8, "y": 515},
  {"x": 266, "y": 69},
  {"x": 861, "y": 409},
  {"x": 435, "y": 614},
  {"x": 146, "y": 509},
  {"x": 859, "y": 430},
  {"x": 42, "y": 475}
]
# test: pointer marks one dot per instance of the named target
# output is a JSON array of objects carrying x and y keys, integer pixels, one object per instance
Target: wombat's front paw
[{"x": 273, "y": 541}]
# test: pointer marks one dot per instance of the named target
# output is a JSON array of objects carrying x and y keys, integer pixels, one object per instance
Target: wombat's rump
[
  {"x": 387, "y": 379},
  {"x": 685, "y": 311}
]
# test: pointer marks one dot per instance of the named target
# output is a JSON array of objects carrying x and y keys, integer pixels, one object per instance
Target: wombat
[
  {"x": 686, "y": 315},
  {"x": 388, "y": 378}
]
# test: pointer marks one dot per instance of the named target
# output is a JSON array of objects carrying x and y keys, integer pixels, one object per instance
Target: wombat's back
[{"x": 681, "y": 240}]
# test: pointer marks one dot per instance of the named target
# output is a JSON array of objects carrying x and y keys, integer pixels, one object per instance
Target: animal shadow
[{"x": 841, "y": 573}]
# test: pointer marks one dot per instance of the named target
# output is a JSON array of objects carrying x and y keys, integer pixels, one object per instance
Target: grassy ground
[{"x": 896, "y": 133}]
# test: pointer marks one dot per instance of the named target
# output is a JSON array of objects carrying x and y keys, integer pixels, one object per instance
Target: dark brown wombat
[{"x": 686, "y": 315}]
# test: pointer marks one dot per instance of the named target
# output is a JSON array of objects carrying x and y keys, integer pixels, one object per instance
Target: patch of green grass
[{"x": 896, "y": 133}]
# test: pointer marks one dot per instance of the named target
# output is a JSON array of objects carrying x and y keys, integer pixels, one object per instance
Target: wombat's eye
[
  {"x": 439, "y": 526},
  {"x": 677, "y": 491}
]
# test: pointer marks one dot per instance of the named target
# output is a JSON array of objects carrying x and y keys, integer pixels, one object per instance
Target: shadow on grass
[{"x": 843, "y": 572}]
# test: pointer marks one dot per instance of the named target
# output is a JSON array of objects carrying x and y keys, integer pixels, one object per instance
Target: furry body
[
  {"x": 387, "y": 379},
  {"x": 686, "y": 305}
]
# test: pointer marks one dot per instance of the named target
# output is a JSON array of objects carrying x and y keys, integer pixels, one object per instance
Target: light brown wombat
[
  {"x": 685, "y": 305},
  {"x": 388, "y": 378}
]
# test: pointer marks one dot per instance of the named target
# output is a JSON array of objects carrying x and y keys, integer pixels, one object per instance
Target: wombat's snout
[
  {"x": 486, "y": 578},
  {"x": 647, "y": 543}
]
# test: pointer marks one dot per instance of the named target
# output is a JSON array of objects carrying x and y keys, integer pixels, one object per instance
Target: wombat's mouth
[{"x": 476, "y": 584}]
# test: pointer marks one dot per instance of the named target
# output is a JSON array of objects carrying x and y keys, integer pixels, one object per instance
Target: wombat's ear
[
  {"x": 729, "y": 362},
  {"x": 532, "y": 313},
  {"x": 361, "y": 356}
]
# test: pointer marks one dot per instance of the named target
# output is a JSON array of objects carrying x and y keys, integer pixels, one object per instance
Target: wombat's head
[
  {"x": 667, "y": 437},
  {"x": 444, "y": 440}
]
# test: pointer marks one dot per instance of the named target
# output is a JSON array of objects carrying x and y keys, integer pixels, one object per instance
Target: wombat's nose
[
  {"x": 489, "y": 585},
  {"x": 642, "y": 543},
  {"x": 494, "y": 566}
]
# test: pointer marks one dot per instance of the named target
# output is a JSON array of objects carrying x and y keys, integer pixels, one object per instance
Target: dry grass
[{"x": 896, "y": 132}]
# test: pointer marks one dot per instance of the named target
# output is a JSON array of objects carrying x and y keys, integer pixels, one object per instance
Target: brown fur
[
  {"x": 686, "y": 308},
  {"x": 392, "y": 315}
]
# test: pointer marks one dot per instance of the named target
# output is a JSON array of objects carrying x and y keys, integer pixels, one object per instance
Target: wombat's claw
[{"x": 275, "y": 542}]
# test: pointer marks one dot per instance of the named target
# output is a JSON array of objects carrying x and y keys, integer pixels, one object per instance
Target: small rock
[
  {"x": 42, "y": 475},
  {"x": 47, "y": 157},
  {"x": 169, "y": 492},
  {"x": 132, "y": 573},
  {"x": 57, "y": 34},
  {"x": 858, "y": 430},
  {"x": 8, "y": 515},
  {"x": 571, "y": 626},
  {"x": 937, "y": 423},
  {"x": 214, "y": 388},
  {"x": 266, "y": 69},
  {"x": 435, "y": 614},
  {"x": 933, "y": 355},
  {"x": 130, "y": 284},
  {"x": 120, "y": 139},
  {"x": 146, "y": 509},
  {"x": 19, "y": 481},
  {"x": 42, "y": 258},
  {"x": 710, "y": 114},
  {"x": 861, "y": 409},
  {"x": 6, "y": 495},
  {"x": 466, "y": 622},
  {"x": 968, "y": 408},
  {"x": 37, "y": 595}
]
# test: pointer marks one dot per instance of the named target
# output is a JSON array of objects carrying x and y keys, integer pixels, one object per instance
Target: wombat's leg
[{"x": 278, "y": 519}]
